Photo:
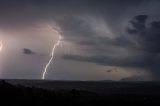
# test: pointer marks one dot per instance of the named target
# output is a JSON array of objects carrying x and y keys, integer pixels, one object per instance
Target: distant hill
[{"x": 137, "y": 78}]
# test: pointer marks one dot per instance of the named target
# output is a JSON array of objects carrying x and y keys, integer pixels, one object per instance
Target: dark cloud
[
  {"x": 137, "y": 24},
  {"x": 155, "y": 24},
  {"x": 142, "y": 38},
  {"x": 111, "y": 70},
  {"x": 133, "y": 61},
  {"x": 146, "y": 36},
  {"x": 28, "y": 51}
]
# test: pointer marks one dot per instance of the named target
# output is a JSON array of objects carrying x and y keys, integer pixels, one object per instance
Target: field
[{"x": 79, "y": 93}]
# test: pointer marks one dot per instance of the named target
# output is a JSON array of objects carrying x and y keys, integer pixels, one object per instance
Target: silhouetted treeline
[{"x": 22, "y": 95}]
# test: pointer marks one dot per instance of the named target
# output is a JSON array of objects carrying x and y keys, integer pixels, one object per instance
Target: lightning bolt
[{"x": 52, "y": 52}]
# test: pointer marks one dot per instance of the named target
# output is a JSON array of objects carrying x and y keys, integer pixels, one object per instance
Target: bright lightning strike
[
  {"x": 53, "y": 51},
  {"x": 1, "y": 45}
]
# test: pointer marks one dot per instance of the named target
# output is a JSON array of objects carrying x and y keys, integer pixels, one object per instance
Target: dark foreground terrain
[{"x": 79, "y": 93}]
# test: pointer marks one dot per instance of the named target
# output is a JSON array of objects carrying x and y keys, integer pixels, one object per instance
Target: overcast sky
[{"x": 102, "y": 39}]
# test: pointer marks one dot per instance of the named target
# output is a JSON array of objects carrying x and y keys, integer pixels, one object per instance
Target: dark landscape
[
  {"x": 80, "y": 52},
  {"x": 79, "y": 93}
]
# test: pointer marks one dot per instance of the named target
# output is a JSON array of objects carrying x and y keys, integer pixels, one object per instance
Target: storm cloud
[
  {"x": 141, "y": 38},
  {"x": 114, "y": 33}
]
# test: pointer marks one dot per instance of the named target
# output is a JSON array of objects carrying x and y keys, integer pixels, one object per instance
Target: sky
[{"x": 101, "y": 39}]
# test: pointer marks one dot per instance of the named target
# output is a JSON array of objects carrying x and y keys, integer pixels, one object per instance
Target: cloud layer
[
  {"x": 109, "y": 33},
  {"x": 141, "y": 42}
]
